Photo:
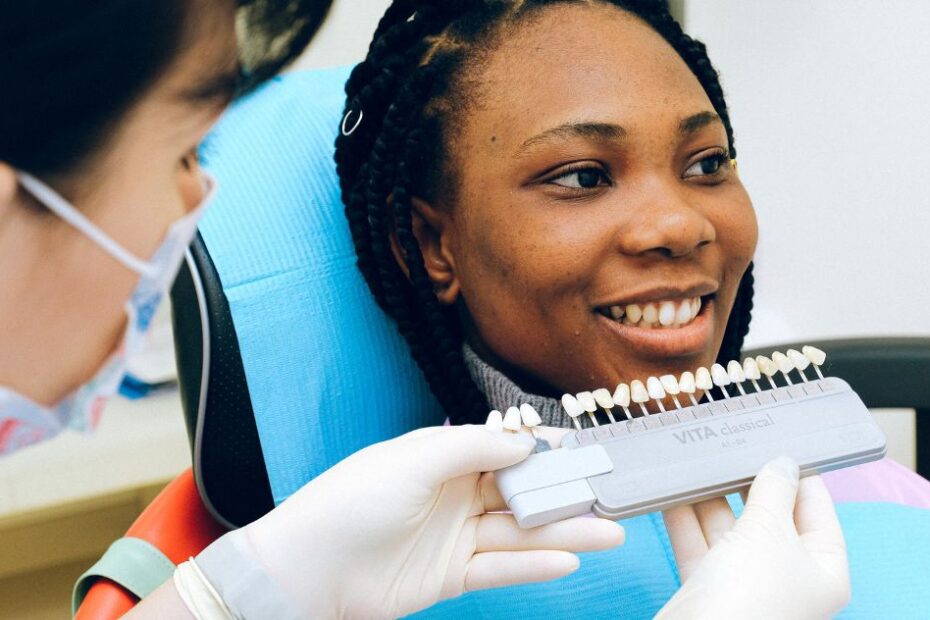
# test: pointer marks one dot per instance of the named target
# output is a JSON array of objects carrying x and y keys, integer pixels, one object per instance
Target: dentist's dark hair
[
  {"x": 70, "y": 69},
  {"x": 411, "y": 88}
]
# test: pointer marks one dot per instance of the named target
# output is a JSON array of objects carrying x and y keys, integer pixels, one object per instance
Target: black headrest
[{"x": 227, "y": 456}]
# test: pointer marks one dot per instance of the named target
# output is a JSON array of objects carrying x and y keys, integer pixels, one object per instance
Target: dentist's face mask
[{"x": 24, "y": 422}]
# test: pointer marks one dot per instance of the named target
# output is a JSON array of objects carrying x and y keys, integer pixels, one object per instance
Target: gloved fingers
[
  {"x": 715, "y": 518},
  {"x": 773, "y": 493},
  {"x": 490, "y": 495},
  {"x": 456, "y": 451},
  {"x": 818, "y": 525},
  {"x": 495, "y": 569},
  {"x": 687, "y": 538},
  {"x": 500, "y": 532}
]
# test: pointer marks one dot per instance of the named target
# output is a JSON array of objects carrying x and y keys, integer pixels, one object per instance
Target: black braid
[{"x": 404, "y": 88}]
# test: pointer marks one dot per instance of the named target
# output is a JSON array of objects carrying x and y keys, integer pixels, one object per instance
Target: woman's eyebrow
[
  {"x": 697, "y": 121},
  {"x": 603, "y": 131}
]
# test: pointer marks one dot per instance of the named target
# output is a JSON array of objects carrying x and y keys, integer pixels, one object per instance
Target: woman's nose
[{"x": 669, "y": 227}]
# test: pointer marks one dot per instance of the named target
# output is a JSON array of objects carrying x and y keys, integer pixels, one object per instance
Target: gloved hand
[
  {"x": 403, "y": 524},
  {"x": 784, "y": 558}
]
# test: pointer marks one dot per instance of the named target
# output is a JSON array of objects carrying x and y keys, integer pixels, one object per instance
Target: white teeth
[
  {"x": 638, "y": 392},
  {"x": 655, "y": 389},
  {"x": 751, "y": 368},
  {"x": 621, "y": 395},
  {"x": 702, "y": 379},
  {"x": 687, "y": 382},
  {"x": 587, "y": 402},
  {"x": 602, "y": 398},
  {"x": 736, "y": 372},
  {"x": 495, "y": 421},
  {"x": 529, "y": 415},
  {"x": 571, "y": 405},
  {"x": 815, "y": 355},
  {"x": 670, "y": 384},
  {"x": 666, "y": 313},
  {"x": 650, "y": 313},
  {"x": 798, "y": 359},
  {"x": 512, "y": 419}
]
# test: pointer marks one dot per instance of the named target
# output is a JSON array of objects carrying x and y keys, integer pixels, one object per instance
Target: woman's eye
[
  {"x": 708, "y": 166},
  {"x": 585, "y": 178}
]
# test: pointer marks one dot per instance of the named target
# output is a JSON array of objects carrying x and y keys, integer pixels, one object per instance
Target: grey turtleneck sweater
[{"x": 503, "y": 393}]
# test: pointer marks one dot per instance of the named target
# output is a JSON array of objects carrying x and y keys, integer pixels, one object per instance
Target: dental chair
[{"x": 237, "y": 474}]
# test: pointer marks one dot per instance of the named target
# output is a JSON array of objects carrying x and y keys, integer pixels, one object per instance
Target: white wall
[
  {"x": 346, "y": 34},
  {"x": 829, "y": 102}
]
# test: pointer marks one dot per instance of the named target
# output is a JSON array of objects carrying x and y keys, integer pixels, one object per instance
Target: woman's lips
[{"x": 689, "y": 339}]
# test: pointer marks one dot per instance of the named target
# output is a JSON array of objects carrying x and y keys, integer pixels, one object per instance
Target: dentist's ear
[
  {"x": 433, "y": 231},
  {"x": 7, "y": 186}
]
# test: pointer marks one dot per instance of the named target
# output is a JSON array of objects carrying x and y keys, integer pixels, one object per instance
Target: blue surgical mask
[{"x": 23, "y": 421}]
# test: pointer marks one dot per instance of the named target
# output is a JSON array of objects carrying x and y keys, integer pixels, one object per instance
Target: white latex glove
[
  {"x": 403, "y": 524},
  {"x": 783, "y": 559}
]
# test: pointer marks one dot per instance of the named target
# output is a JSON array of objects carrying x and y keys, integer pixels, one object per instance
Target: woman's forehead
[{"x": 576, "y": 63}]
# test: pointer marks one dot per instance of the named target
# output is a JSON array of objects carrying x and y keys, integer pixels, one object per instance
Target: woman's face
[{"x": 593, "y": 183}]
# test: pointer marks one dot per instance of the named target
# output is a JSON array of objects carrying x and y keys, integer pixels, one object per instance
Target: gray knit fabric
[{"x": 503, "y": 393}]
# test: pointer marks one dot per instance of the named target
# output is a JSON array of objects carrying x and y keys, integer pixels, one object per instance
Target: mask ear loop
[{"x": 63, "y": 209}]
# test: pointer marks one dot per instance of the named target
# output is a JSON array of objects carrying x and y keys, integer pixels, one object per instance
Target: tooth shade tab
[
  {"x": 687, "y": 382},
  {"x": 736, "y": 372},
  {"x": 655, "y": 389},
  {"x": 512, "y": 419},
  {"x": 798, "y": 359},
  {"x": 702, "y": 379},
  {"x": 587, "y": 402},
  {"x": 602, "y": 398},
  {"x": 495, "y": 422},
  {"x": 719, "y": 375},
  {"x": 571, "y": 405},
  {"x": 621, "y": 395},
  {"x": 766, "y": 366},
  {"x": 782, "y": 361},
  {"x": 670, "y": 384},
  {"x": 751, "y": 368},
  {"x": 815, "y": 355},
  {"x": 638, "y": 392},
  {"x": 529, "y": 415}
]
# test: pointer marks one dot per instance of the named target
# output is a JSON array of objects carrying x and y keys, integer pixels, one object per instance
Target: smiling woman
[{"x": 581, "y": 226}]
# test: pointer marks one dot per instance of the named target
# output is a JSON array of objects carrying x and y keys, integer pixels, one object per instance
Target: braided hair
[{"x": 401, "y": 101}]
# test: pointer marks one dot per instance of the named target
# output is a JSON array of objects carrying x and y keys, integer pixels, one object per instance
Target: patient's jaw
[{"x": 593, "y": 184}]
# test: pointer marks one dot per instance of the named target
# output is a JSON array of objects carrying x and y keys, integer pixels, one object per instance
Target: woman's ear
[{"x": 433, "y": 230}]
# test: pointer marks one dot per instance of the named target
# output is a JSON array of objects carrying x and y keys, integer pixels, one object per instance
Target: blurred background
[{"x": 828, "y": 101}]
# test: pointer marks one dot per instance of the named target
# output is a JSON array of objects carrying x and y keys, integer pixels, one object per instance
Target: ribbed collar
[{"x": 502, "y": 393}]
